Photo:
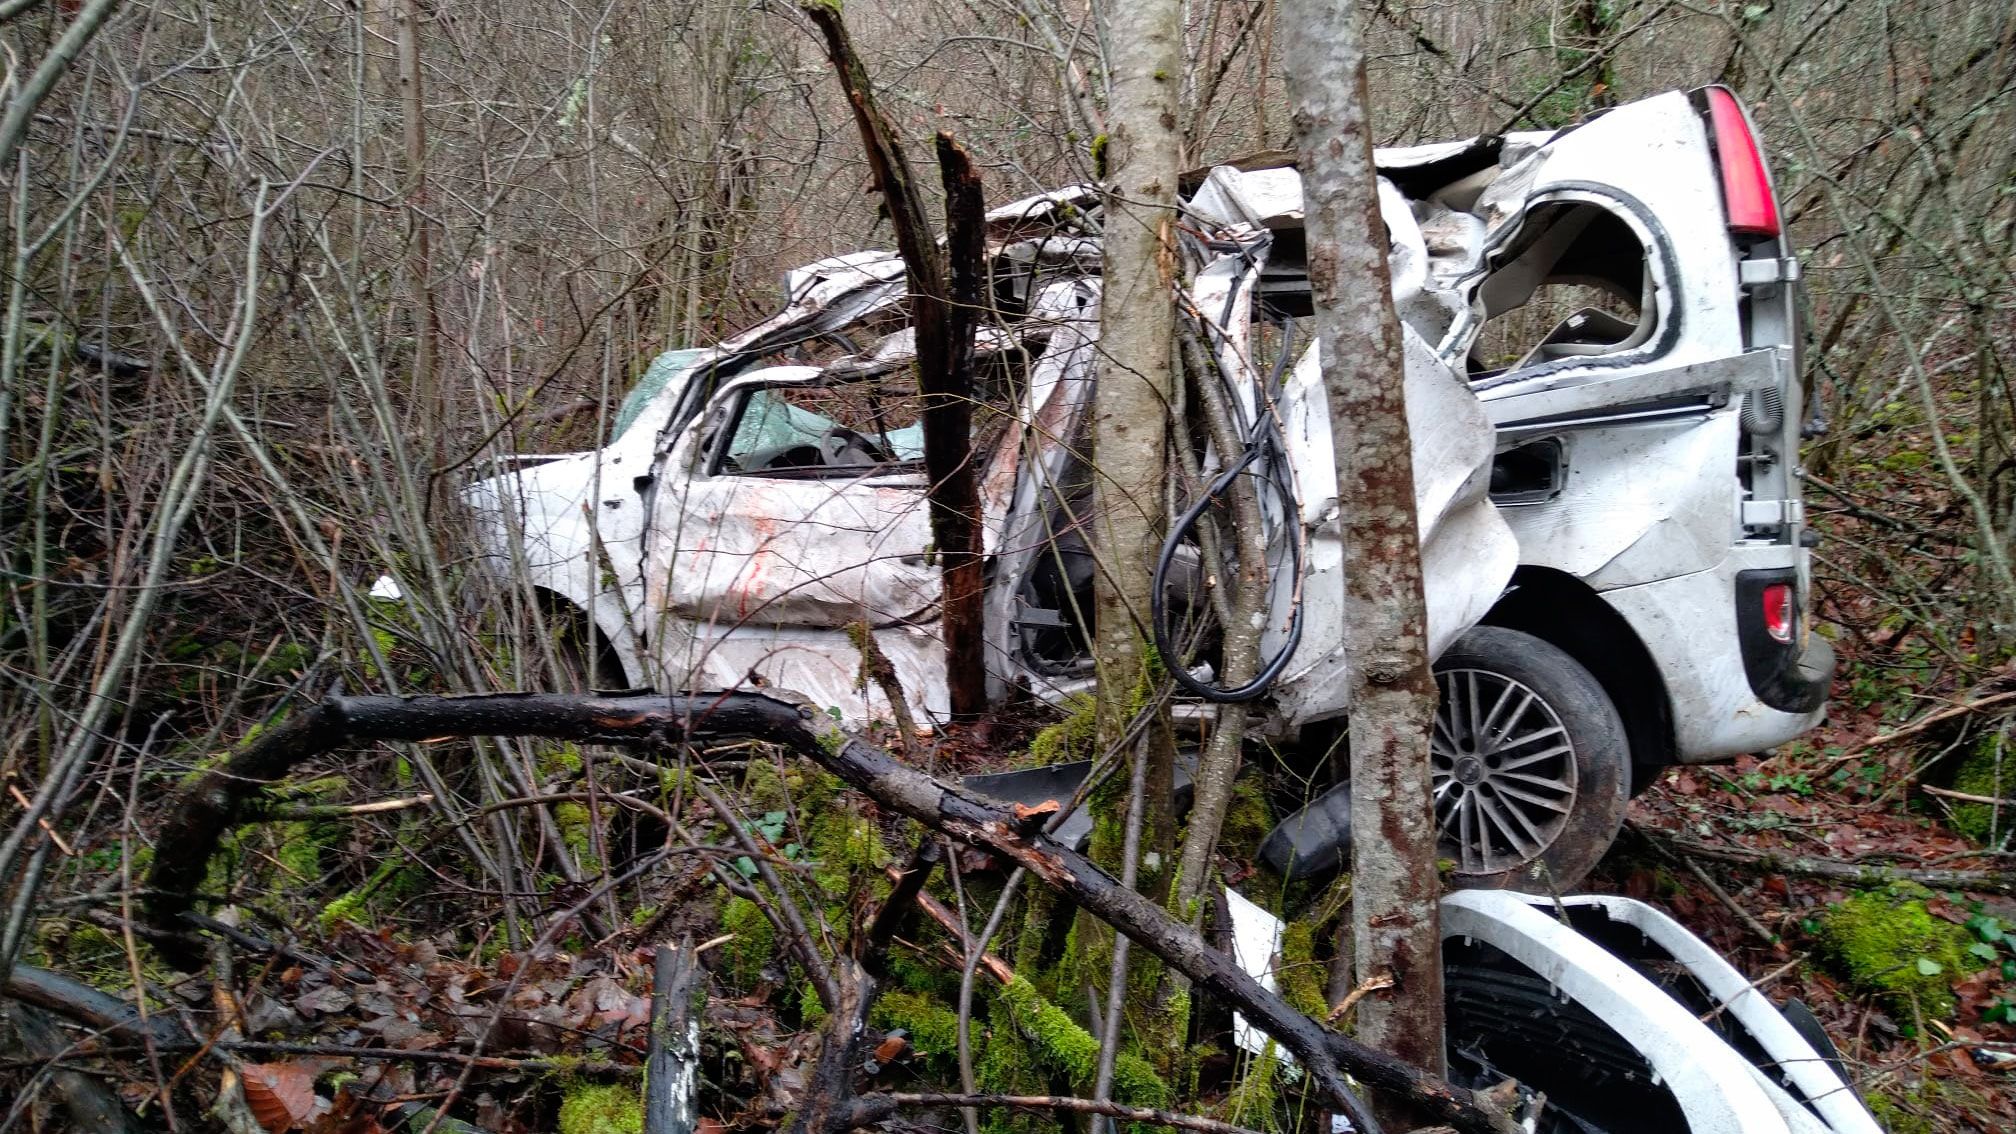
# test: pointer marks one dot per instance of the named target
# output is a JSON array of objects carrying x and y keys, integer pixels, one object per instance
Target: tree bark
[
  {"x": 1394, "y": 883},
  {"x": 1137, "y": 327},
  {"x": 672, "y": 1064},
  {"x": 955, "y": 492},
  {"x": 202, "y": 811},
  {"x": 1141, "y": 157},
  {"x": 424, "y": 312},
  {"x": 944, "y": 355}
]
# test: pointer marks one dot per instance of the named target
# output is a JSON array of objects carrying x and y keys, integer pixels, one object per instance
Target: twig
[
  {"x": 1729, "y": 903},
  {"x": 949, "y": 922},
  {"x": 1754, "y": 985},
  {"x": 1966, "y": 797},
  {"x": 1920, "y": 725},
  {"x": 1370, "y": 984},
  {"x": 1991, "y": 881},
  {"x": 348, "y": 811}
]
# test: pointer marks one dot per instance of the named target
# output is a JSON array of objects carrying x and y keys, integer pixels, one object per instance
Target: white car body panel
[{"x": 698, "y": 579}]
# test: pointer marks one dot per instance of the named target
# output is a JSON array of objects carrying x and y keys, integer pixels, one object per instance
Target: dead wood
[
  {"x": 201, "y": 812},
  {"x": 944, "y": 326},
  {"x": 877, "y": 1107},
  {"x": 1854, "y": 874},
  {"x": 1924, "y": 724},
  {"x": 99, "y": 1011},
  {"x": 672, "y": 1061}
]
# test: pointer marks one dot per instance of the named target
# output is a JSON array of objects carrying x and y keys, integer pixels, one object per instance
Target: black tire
[
  {"x": 1535, "y": 804},
  {"x": 584, "y": 658}
]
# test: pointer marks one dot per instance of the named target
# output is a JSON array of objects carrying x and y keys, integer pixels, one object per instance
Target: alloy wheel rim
[{"x": 1503, "y": 771}]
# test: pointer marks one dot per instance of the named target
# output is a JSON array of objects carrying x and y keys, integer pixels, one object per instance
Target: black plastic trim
[{"x": 1782, "y": 675}]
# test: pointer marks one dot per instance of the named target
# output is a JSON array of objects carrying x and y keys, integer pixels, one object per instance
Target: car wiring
[{"x": 1263, "y": 445}]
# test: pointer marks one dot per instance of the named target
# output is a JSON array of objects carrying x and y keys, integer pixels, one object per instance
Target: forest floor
[{"x": 1837, "y": 871}]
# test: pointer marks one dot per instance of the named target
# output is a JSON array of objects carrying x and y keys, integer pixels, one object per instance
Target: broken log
[
  {"x": 99, "y": 1011},
  {"x": 202, "y": 810},
  {"x": 672, "y": 1061}
]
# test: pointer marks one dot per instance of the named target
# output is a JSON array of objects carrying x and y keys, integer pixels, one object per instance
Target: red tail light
[
  {"x": 1779, "y": 613},
  {"x": 1746, "y": 187}
]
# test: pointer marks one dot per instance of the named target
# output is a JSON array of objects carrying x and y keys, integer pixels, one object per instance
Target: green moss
[
  {"x": 1895, "y": 1118},
  {"x": 299, "y": 853},
  {"x": 933, "y": 1028},
  {"x": 1887, "y": 942},
  {"x": 1253, "y": 1100},
  {"x": 602, "y": 1110},
  {"x": 560, "y": 760},
  {"x": 848, "y": 852},
  {"x": 754, "y": 941},
  {"x": 577, "y": 830},
  {"x": 1071, "y": 738},
  {"x": 353, "y": 906},
  {"x": 1060, "y": 1044},
  {"x": 1980, "y": 776},
  {"x": 1300, "y": 975},
  {"x": 1248, "y": 818}
]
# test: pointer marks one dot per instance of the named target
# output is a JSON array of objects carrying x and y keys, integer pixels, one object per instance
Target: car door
[{"x": 790, "y": 511}]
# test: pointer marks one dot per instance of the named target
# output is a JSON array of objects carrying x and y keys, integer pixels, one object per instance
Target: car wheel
[{"x": 1529, "y": 761}]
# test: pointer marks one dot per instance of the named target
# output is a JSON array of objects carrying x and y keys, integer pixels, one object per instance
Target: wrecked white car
[{"x": 1602, "y": 379}]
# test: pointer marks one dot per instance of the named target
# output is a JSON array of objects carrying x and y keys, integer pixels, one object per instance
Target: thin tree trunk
[
  {"x": 1394, "y": 882},
  {"x": 1137, "y": 327},
  {"x": 948, "y": 430},
  {"x": 425, "y": 315},
  {"x": 1143, "y": 155}
]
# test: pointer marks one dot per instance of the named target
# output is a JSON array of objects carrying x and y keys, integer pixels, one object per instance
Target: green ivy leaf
[{"x": 1983, "y": 950}]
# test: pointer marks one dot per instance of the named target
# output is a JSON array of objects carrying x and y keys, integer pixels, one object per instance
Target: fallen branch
[
  {"x": 1966, "y": 796},
  {"x": 1922, "y": 724},
  {"x": 201, "y": 812},
  {"x": 672, "y": 1066},
  {"x": 870, "y": 1109},
  {"x": 100, "y": 1011},
  {"x": 1857, "y": 874}
]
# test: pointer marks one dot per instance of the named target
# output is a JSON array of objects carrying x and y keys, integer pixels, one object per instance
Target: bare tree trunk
[
  {"x": 423, "y": 311},
  {"x": 944, "y": 356},
  {"x": 1394, "y": 882},
  {"x": 1143, "y": 152},
  {"x": 1137, "y": 326}
]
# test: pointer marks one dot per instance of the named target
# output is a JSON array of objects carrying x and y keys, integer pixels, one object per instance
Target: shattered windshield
[{"x": 656, "y": 377}]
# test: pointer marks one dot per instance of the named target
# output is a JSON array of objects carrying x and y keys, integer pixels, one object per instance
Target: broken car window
[
  {"x": 814, "y": 429},
  {"x": 1574, "y": 284}
]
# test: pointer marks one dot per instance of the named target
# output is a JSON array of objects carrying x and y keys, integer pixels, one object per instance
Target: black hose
[{"x": 1264, "y": 440}]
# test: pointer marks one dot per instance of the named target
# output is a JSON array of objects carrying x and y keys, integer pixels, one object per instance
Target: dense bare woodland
[{"x": 282, "y": 277}]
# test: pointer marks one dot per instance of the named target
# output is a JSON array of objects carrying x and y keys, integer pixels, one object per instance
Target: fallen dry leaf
[{"x": 282, "y": 1095}]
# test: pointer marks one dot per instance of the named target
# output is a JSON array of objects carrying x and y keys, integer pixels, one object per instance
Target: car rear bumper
[{"x": 1725, "y": 700}]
